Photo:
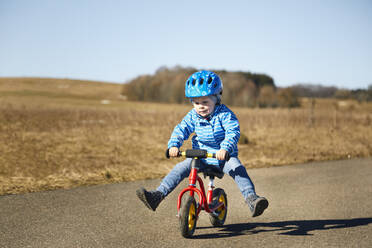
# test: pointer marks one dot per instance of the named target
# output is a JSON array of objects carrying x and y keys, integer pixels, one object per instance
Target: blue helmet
[{"x": 203, "y": 83}]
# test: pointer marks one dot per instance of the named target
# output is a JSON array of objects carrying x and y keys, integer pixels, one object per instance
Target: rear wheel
[
  {"x": 188, "y": 216},
  {"x": 218, "y": 217}
]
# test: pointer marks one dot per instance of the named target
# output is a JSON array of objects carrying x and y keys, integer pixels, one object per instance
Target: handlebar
[{"x": 196, "y": 153}]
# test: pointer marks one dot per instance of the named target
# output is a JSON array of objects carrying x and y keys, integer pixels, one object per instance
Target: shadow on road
[{"x": 295, "y": 227}]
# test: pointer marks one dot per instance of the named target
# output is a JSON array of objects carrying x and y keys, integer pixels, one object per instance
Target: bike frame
[{"x": 204, "y": 200}]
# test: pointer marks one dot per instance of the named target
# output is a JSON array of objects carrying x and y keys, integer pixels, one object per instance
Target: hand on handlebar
[
  {"x": 221, "y": 154},
  {"x": 173, "y": 152}
]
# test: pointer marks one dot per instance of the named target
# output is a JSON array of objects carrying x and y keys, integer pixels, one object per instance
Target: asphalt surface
[{"x": 327, "y": 204}]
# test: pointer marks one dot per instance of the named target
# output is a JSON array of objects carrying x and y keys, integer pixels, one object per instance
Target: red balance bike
[{"x": 214, "y": 202}]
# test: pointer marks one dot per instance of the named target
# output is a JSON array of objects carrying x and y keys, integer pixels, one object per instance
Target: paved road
[{"x": 325, "y": 204}]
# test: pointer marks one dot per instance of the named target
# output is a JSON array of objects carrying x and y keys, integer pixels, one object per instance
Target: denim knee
[
  {"x": 237, "y": 171},
  {"x": 175, "y": 176}
]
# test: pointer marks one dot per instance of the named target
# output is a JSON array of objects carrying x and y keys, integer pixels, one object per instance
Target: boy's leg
[
  {"x": 237, "y": 171},
  {"x": 175, "y": 176},
  {"x": 152, "y": 199}
]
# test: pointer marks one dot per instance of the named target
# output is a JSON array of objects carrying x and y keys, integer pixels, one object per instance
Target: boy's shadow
[{"x": 295, "y": 227}]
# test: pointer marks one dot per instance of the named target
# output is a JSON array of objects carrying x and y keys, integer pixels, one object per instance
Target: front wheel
[
  {"x": 188, "y": 216},
  {"x": 218, "y": 217}
]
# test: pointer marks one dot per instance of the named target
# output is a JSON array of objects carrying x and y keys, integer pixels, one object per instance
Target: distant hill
[
  {"x": 167, "y": 85},
  {"x": 51, "y": 87},
  {"x": 320, "y": 91}
]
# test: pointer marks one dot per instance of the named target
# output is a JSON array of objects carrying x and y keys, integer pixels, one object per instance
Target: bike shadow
[{"x": 293, "y": 228}]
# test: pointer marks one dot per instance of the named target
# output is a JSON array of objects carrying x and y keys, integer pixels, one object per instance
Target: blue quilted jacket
[{"x": 220, "y": 131}]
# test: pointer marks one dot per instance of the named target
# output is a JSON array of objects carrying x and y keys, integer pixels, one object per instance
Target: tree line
[
  {"x": 240, "y": 88},
  {"x": 319, "y": 91}
]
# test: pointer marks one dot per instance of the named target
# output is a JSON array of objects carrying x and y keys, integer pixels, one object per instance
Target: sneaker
[
  {"x": 257, "y": 204},
  {"x": 151, "y": 199}
]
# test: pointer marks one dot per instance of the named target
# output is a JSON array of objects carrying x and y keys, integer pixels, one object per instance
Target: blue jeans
[{"x": 233, "y": 167}]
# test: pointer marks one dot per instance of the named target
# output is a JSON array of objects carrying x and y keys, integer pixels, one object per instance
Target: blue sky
[{"x": 325, "y": 42}]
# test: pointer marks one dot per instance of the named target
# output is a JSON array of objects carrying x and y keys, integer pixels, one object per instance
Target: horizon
[
  {"x": 307, "y": 85},
  {"x": 324, "y": 43}
]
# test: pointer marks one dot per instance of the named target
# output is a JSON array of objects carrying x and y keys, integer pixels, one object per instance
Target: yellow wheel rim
[
  {"x": 192, "y": 214},
  {"x": 222, "y": 209}
]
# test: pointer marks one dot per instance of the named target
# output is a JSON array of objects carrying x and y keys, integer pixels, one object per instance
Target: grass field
[{"x": 66, "y": 133}]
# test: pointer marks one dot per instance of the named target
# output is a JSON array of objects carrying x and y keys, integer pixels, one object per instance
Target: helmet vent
[
  {"x": 215, "y": 85},
  {"x": 201, "y": 81},
  {"x": 193, "y": 82},
  {"x": 209, "y": 80}
]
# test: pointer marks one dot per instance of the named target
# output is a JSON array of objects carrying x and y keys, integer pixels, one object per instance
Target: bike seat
[{"x": 211, "y": 171}]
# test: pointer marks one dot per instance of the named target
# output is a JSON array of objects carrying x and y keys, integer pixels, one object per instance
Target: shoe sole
[
  {"x": 141, "y": 195},
  {"x": 261, "y": 205}
]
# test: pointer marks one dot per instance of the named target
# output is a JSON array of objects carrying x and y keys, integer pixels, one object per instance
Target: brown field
[{"x": 65, "y": 133}]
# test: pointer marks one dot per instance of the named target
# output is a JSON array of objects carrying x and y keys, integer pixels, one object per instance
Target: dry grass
[{"x": 57, "y": 136}]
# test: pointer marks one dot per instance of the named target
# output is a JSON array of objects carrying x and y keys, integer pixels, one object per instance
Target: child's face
[{"x": 204, "y": 106}]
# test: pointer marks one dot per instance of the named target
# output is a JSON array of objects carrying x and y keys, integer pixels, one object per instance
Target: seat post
[
  {"x": 211, "y": 182},
  {"x": 210, "y": 189}
]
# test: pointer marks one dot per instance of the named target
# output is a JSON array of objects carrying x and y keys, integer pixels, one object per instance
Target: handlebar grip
[
  {"x": 196, "y": 153},
  {"x": 227, "y": 156},
  {"x": 168, "y": 156}
]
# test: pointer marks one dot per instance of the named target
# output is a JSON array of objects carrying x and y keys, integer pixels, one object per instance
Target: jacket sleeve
[
  {"x": 232, "y": 132},
  {"x": 182, "y": 131}
]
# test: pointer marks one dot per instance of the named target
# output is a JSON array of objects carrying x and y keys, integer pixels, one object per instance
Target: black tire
[
  {"x": 219, "y": 195},
  {"x": 188, "y": 216}
]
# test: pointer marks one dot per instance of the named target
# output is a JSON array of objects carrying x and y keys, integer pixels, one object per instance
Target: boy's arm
[
  {"x": 232, "y": 132},
  {"x": 182, "y": 131}
]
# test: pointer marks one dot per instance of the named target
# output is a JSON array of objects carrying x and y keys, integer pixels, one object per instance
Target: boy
[{"x": 216, "y": 130}]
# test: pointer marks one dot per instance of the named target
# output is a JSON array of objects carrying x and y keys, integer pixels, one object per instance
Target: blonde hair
[{"x": 215, "y": 98}]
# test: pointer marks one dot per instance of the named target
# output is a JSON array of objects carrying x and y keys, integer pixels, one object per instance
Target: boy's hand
[
  {"x": 221, "y": 154},
  {"x": 173, "y": 151}
]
